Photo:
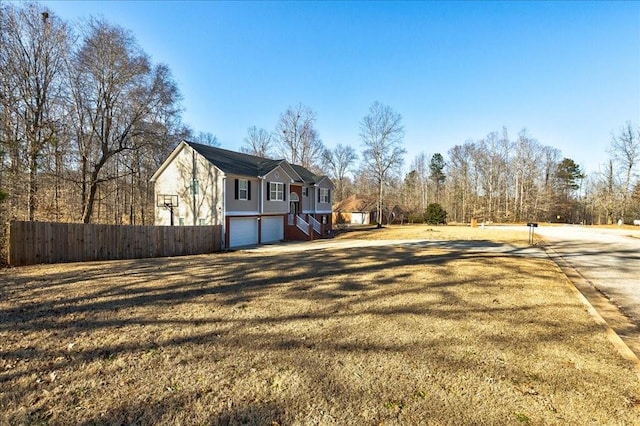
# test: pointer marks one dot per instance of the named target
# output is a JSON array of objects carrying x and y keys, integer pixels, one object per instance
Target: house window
[
  {"x": 324, "y": 195},
  {"x": 305, "y": 192},
  {"x": 201, "y": 222},
  {"x": 276, "y": 191},
  {"x": 243, "y": 189},
  {"x": 181, "y": 221}
]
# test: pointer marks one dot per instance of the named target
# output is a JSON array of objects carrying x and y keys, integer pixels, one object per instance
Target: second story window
[
  {"x": 243, "y": 189},
  {"x": 276, "y": 191},
  {"x": 323, "y": 196}
]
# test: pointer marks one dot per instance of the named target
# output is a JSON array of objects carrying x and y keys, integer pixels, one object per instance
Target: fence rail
[{"x": 50, "y": 242}]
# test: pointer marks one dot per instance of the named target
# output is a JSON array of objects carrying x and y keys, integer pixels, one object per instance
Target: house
[
  {"x": 256, "y": 200},
  {"x": 353, "y": 211}
]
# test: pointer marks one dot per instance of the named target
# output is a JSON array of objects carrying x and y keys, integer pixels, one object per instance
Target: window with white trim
[
  {"x": 243, "y": 189},
  {"x": 324, "y": 195},
  {"x": 276, "y": 191},
  {"x": 305, "y": 192}
]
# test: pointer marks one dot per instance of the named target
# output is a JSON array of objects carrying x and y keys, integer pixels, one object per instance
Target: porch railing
[
  {"x": 302, "y": 225},
  {"x": 316, "y": 225}
]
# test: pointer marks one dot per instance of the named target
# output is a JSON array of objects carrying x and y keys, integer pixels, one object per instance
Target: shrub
[
  {"x": 416, "y": 218},
  {"x": 435, "y": 214}
]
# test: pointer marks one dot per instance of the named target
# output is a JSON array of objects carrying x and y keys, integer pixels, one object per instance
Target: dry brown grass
[
  {"x": 378, "y": 335},
  {"x": 498, "y": 233}
]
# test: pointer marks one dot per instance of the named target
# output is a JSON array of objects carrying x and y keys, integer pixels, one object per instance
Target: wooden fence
[{"x": 47, "y": 242}]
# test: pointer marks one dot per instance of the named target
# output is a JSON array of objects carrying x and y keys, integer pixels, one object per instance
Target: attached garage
[
  {"x": 243, "y": 231},
  {"x": 272, "y": 229}
]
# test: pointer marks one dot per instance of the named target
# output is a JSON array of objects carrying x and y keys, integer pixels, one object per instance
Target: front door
[{"x": 294, "y": 207}]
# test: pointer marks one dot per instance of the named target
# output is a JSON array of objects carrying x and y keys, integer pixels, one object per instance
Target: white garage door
[
  {"x": 243, "y": 231},
  {"x": 358, "y": 218},
  {"x": 272, "y": 229}
]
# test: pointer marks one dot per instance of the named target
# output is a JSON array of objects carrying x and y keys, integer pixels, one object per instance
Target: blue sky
[{"x": 567, "y": 72}]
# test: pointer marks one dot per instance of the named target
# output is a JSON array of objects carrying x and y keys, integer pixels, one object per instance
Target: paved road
[{"x": 608, "y": 258}]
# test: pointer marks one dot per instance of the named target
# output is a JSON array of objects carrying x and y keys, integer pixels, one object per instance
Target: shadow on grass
[
  {"x": 117, "y": 285},
  {"x": 107, "y": 297},
  {"x": 168, "y": 410}
]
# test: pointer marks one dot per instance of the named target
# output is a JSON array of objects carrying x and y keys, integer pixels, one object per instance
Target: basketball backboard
[{"x": 167, "y": 200}]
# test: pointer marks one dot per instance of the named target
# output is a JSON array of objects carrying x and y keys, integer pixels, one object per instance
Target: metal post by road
[{"x": 532, "y": 226}]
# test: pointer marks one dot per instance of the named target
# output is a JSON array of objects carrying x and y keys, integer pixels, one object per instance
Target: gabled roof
[
  {"x": 307, "y": 176},
  {"x": 355, "y": 204},
  {"x": 237, "y": 163}
]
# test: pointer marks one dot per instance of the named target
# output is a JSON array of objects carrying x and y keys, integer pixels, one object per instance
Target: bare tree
[
  {"x": 338, "y": 162},
  {"x": 123, "y": 102},
  {"x": 207, "y": 138},
  {"x": 625, "y": 149},
  {"x": 606, "y": 194},
  {"x": 550, "y": 158},
  {"x": 32, "y": 61},
  {"x": 297, "y": 139},
  {"x": 258, "y": 142},
  {"x": 496, "y": 179},
  {"x": 382, "y": 133},
  {"x": 422, "y": 174},
  {"x": 412, "y": 194},
  {"x": 460, "y": 168}
]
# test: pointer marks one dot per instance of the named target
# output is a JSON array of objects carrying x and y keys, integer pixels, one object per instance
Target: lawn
[{"x": 399, "y": 334}]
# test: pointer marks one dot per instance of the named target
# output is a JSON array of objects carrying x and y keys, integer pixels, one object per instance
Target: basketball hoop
[{"x": 168, "y": 201}]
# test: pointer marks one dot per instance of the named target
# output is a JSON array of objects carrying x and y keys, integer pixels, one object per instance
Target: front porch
[{"x": 305, "y": 227}]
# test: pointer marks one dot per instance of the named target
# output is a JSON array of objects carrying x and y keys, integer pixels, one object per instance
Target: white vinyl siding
[{"x": 176, "y": 178}]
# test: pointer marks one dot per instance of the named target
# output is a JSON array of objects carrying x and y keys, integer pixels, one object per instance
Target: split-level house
[{"x": 256, "y": 200}]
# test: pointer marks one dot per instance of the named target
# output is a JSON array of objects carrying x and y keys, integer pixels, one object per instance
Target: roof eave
[{"x": 168, "y": 161}]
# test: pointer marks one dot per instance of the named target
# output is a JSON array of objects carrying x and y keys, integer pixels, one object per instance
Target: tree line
[
  {"x": 497, "y": 178},
  {"x": 86, "y": 118}
]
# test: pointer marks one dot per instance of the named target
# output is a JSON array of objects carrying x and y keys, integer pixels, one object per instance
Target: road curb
[{"x": 575, "y": 280}]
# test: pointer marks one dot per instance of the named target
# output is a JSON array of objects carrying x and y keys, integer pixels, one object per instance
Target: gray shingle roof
[
  {"x": 306, "y": 175},
  {"x": 238, "y": 163},
  {"x": 235, "y": 162}
]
